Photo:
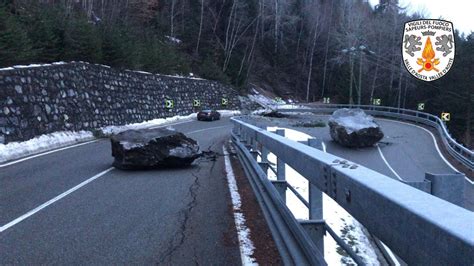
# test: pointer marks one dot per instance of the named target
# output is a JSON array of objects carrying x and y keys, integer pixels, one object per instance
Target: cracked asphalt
[{"x": 165, "y": 217}]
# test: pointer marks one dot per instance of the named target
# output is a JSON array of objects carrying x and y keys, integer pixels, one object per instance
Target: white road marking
[
  {"x": 64, "y": 194},
  {"x": 388, "y": 165},
  {"x": 45, "y": 153},
  {"x": 53, "y": 200},
  {"x": 246, "y": 246},
  {"x": 324, "y": 146},
  {"x": 435, "y": 143},
  {"x": 200, "y": 130}
]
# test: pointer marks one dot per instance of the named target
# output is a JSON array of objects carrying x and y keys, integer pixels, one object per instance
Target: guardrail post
[
  {"x": 243, "y": 136},
  {"x": 264, "y": 160},
  {"x": 236, "y": 129},
  {"x": 247, "y": 140},
  {"x": 316, "y": 229},
  {"x": 281, "y": 173},
  {"x": 316, "y": 204},
  {"x": 280, "y": 163},
  {"x": 315, "y": 195},
  {"x": 254, "y": 147},
  {"x": 447, "y": 186},
  {"x": 281, "y": 187}
]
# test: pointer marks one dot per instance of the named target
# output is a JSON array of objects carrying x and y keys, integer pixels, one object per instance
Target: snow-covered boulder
[
  {"x": 153, "y": 148},
  {"x": 354, "y": 128}
]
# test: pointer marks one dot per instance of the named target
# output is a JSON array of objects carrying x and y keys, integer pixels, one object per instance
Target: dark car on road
[{"x": 209, "y": 115}]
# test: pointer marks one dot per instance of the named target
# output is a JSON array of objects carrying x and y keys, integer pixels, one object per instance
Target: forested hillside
[{"x": 293, "y": 47}]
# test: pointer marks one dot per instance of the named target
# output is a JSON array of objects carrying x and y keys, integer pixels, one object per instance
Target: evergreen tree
[
  {"x": 118, "y": 48},
  {"x": 15, "y": 46},
  {"x": 82, "y": 40},
  {"x": 46, "y": 33}
]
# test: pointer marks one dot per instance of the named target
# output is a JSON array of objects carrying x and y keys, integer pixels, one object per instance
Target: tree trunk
[
  {"x": 327, "y": 50},
  {"x": 400, "y": 85},
  {"x": 359, "y": 91},
  {"x": 200, "y": 27},
  {"x": 308, "y": 83},
  {"x": 173, "y": 2},
  {"x": 467, "y": 134},
  {"x": 351, "y": 101},
  {"x": 374, "y": 81},
  {"x": 276, "y": 25}
]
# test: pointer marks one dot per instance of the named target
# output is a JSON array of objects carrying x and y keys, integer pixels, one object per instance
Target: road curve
[
  {"x": 406, "y": 152},
  {"x": 179, "y": 216}
]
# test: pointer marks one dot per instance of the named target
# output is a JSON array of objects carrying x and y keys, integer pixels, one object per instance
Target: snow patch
[
  {"x": 349, "y": 229},
  {"x": 112, "y": 130},
  {"x": 138, "y": 71},
  {"x": 191, "y": 75},
  {"x": 182, "y": 77},
  {"x": 131, "y": 145},
  {"x": 243, "y": 232},
  {"x": 15, "y": 150},
  {"x": 229, "y": 113},
  {"x": 353, "y": 119},
  {"x": 264, "y": 101},
  {"x": 173, "y": 39},
  {"x": 182, "y": 152},
  {"x": 273, "y": 104},
  {"x": 31, "y": 66}
]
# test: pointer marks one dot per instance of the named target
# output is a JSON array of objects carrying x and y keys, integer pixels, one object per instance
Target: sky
[{"x": 459, "y": 12}]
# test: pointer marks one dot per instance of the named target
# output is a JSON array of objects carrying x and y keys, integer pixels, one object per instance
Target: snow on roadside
[
  {"x": 263, "y": 100},
  {"x": 31, "y": 66},
  {"x": 243, "y": 232},
  {"x": 191, "y": 76},
  {"x": 15, "y": 150},
  {"x": 227, "y": 113},
  {"x": 272, "y": 104},
  {"x": 349, "y": 229},
  {"x": 110, "y": 130}
]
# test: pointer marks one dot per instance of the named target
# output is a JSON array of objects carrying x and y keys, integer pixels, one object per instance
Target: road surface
[
  {"x": 172, "y": 217},
  {"x": 406, "y": 152},
  {"x": 101, "y": 215}
]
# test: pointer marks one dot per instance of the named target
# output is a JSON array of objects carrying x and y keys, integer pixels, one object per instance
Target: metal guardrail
[
  {"x": 418, "y": 227},
  {"x": 458, "y": 151},
  {"x": 295, "y": 247}
]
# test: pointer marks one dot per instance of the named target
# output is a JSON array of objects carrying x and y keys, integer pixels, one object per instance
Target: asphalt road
[
  {"x": 406, "y": 152},
  {"x": 177, "y": 217}
]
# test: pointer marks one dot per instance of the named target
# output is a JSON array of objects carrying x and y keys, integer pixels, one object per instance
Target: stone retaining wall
[{"x": 81, "y": 96}]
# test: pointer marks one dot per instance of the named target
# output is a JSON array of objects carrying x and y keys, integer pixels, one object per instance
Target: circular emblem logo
[{"x": 428, "y": 48}]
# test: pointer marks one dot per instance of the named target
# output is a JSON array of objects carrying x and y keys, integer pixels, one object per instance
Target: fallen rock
[
  {"x": 153, "y": 148},
  {"x": 354, "y": 128}
]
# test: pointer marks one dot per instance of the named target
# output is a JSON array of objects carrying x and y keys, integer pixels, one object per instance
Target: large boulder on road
[
  {"x": 354, "y": 128},
  {"x": 153, "y": 148}
]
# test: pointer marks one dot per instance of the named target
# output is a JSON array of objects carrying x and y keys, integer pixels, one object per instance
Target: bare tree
[
  {"x": 277, "y": 24},
  {"x": 327, "y": 48},
  {"x": 200, "y": 27},
  {"x": 172, "y": 16},
  {"x": 315, "y": 34},
  {"x": 236, "y": 28}
]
